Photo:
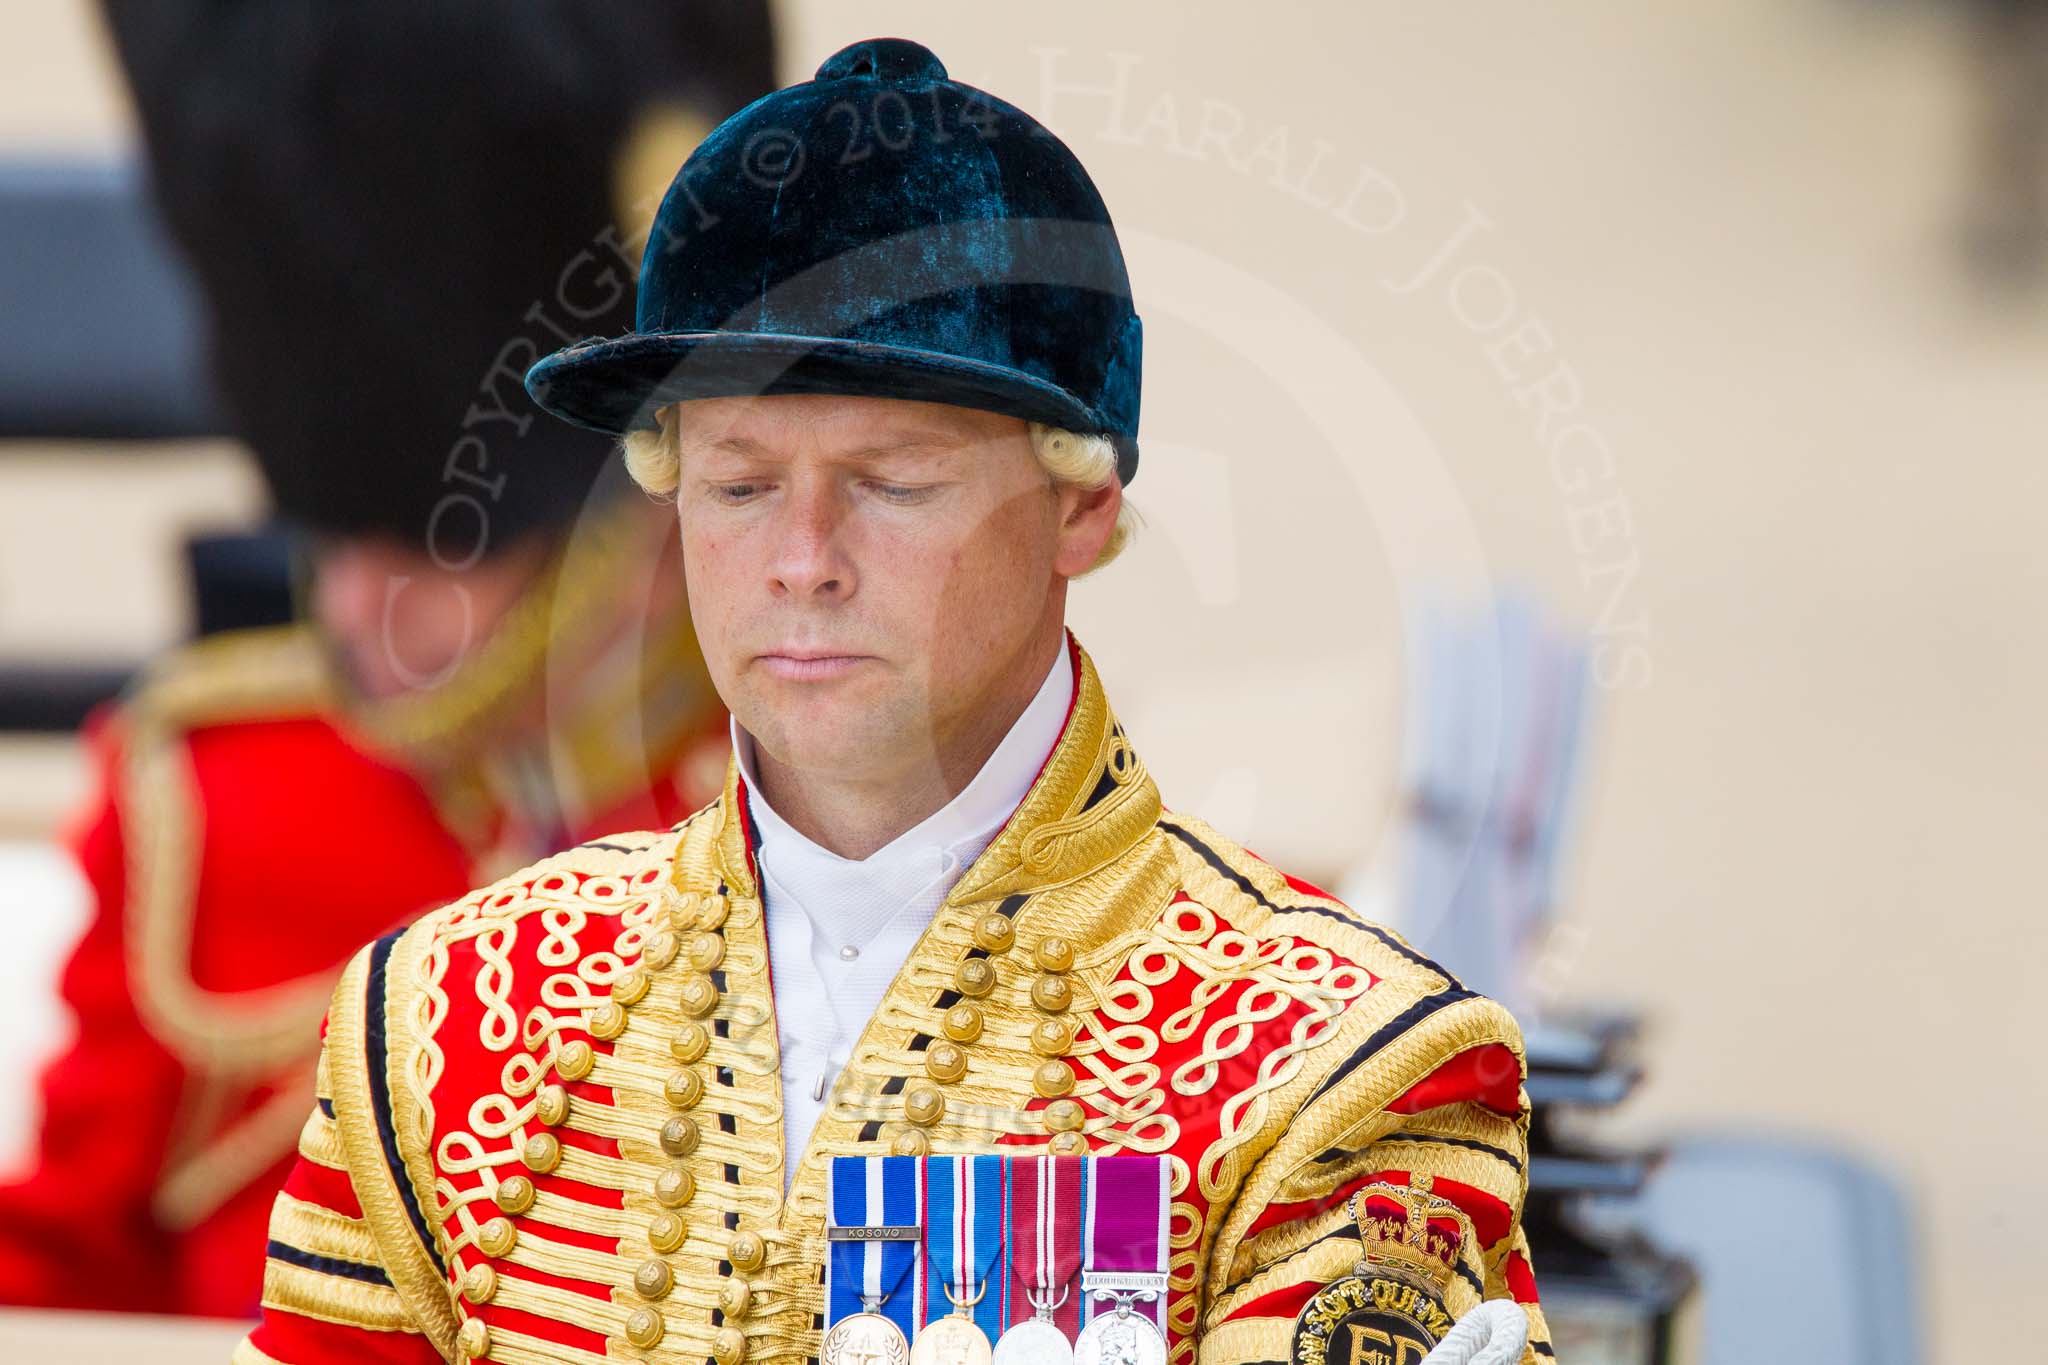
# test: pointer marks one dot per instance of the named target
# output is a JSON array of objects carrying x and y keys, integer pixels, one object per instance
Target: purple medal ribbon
[{"x": 1125, "y": 1251}]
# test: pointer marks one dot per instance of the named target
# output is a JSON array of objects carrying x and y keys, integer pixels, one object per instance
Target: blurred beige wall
[{"x": 1816, "y": 800}]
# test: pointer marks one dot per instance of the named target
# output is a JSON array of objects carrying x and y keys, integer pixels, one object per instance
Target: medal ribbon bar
[
  {"x": 1125, "y": 1210},
  {"x": 1046, "y": 1206},
  {"x": 876, "y": 1272},
  {"x": 964, "y": 1228}
]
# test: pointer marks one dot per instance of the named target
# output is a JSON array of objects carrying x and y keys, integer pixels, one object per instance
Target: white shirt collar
[{"x": 860, "y": 896}]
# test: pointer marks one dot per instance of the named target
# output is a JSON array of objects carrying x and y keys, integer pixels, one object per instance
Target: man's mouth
[{"x": 810, "y": 665}]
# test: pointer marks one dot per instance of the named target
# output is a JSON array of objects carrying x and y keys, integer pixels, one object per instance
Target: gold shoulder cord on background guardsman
[
  {"x": 224, "y": 1040},
  {"x": 245, "y": 675}
]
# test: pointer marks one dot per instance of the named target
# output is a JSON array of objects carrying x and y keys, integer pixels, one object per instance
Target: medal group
[{"x": 996, "y": 1260}]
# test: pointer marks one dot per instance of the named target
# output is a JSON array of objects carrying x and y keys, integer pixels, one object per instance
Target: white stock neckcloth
[{"x": 839, "y": 929}]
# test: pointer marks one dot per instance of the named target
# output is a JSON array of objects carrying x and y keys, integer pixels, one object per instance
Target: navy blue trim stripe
[
  {"x": 1341, "y": 1230},
  {"x": 1470, "y": 1144},
  {"x": 1387, "y": 1033},
  {"x": 327, "y": 1106},
  {"x": 380, "y": 1091},
  {"x": 1243, "y": 883},
  {"x": 326, "y": 1265},
  {"x": 1348, "y": 1232}
]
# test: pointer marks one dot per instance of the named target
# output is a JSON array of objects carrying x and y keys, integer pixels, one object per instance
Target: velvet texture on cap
[{"x": 879, "y": 230}]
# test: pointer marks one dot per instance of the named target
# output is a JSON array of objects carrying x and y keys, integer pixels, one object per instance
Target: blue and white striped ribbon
[
  {"x": 963, "y": 1236},
  {"x": 875, "y": 1191}
]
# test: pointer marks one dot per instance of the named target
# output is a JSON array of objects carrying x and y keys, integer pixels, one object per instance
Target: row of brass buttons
[
  {"x": 945, "y": 1060},
  {"x": 693, "y": 937}
]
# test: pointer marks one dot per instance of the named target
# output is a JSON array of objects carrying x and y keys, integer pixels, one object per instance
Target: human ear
[{"x": 1087, "y": 520}]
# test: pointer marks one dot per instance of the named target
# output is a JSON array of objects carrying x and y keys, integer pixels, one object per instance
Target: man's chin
[{"x": 834, "y": 732}]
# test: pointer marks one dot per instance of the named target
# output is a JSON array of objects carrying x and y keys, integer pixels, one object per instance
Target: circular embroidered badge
[{"x": 1368, "y": 1319}]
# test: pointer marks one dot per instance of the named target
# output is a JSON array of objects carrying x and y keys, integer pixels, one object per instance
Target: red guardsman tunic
[
  {"x": 549, "y": 1126},
  {"x": 225, "y": 902}
]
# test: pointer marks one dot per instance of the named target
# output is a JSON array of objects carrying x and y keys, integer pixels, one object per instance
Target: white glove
[{"x": 1494, "y": 1333}]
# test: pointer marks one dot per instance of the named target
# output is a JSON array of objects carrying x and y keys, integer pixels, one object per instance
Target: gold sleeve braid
[
  {"x": 1345, "y": 1136},
  {"x": 323, "y": 1263},
  {"x": 1323, "y": 1246}
]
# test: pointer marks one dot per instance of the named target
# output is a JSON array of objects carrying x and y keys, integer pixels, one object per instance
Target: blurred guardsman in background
[{"x": 393, "y": 208}]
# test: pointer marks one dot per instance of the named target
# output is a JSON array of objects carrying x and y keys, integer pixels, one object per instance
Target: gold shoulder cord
[{"x": 241, "y": 676}]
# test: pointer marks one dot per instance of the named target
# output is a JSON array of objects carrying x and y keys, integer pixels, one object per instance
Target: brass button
[
  {"x": 1064, "y": 1116},
  {"x": 1068, "y": 1144},
  {"x": 735, "y": 1296},
  {"x": 705, "y": 951},
  {"x": 910, "y": 1142},
  {"x": 479, "y": 1283},
  {"x": 945, "y": 1061},
  {"x": 994, "y": 933},
  {"x": 542, "y": 1152},
  {"x": 654, "y": 1278},
  {"x": 497, "y": 1238},
  {"x": 698, "y": 996},
  {"x": 551, "y": 1105},
  {"x": 698, "y": 910},
  {"x": 747, "y": 1252},
  {"x": 574, "y": 1060},
  {"x": 661, "y": 949},
  {"x": 679, "y": 1136},
  {"x": 1054, "y": 955},
  {"x": 690, "y": 1042},
  {"x": 630, "y": 986},
  {"x": 1052, "y": 1037},
  {"x": 515, "y": 1194},
  {"x": 644, "y": 1328},
  {"x": 674, "y": 1187},
  {"x": 474, "y": 1339},
  {"x": 923, "y": 1105},
  {"x": 729, "y": 1346},
  {"x": 962, "y": 1023},
  {"x": 666, "y": 1232},
  {"x": 976, "y": 977},
  {"x": 683, "y": 1087},
  {"x": 608, "y": 1020},
  {"x": 1053, "y": 1079},
  {"x": 1052, "y": 994}
]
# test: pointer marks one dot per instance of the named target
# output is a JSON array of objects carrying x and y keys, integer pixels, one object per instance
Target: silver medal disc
[
  {"x": 951, "y": 1340},
  {"x": 1034, "y": 1342},
  {"x": 865, "y": 1339},
  {"x": 1120, "y": 1339}
]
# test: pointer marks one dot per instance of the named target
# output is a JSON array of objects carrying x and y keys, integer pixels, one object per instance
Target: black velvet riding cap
[{"x": 878, "y": 230}]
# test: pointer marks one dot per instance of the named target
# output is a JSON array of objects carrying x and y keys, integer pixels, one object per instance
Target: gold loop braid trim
[{"x": 241, "y": 676}]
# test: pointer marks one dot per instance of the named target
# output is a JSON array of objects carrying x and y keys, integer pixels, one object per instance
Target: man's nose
[{"x": 810, "y": 563}]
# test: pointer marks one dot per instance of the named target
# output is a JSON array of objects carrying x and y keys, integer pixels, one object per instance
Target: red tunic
[{"x": 170, "y": 1121}]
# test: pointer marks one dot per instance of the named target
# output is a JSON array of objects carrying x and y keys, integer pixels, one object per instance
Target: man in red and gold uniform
[
  {"x": 477, "y": 687},
  {"x": 886, "y": 366}
]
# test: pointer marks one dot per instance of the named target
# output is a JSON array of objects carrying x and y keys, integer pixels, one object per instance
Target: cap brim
[{"x": 617, "y": 385}]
